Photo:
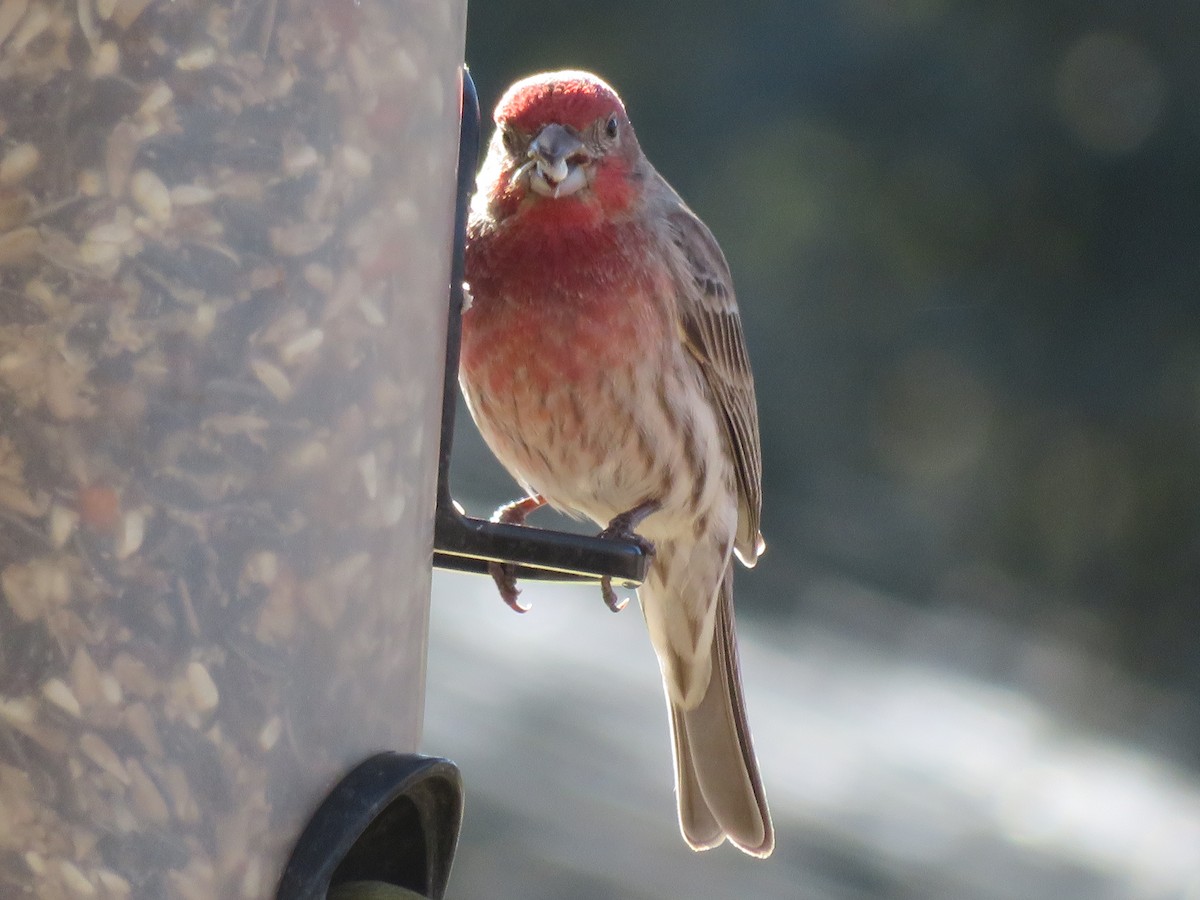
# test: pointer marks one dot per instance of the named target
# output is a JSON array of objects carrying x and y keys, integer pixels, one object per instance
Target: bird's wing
[{"x": 711, "y": 329}]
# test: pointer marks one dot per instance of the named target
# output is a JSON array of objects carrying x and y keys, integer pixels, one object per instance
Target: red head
[
  {"x": 577, "y": 99},
  {"x": 559, "y": 135}
]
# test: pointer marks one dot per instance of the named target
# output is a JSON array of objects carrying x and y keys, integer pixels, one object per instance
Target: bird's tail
[{"x": 716, "y": 773}]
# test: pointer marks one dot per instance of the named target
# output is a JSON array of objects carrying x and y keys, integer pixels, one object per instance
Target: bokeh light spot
[{"x": 1109, "y": 92}]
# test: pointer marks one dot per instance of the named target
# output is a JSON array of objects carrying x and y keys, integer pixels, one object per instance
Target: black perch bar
[{"x": 468, "y": 544}]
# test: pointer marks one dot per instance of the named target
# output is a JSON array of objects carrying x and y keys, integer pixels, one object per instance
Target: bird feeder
[{"x": 225, "y": 235}]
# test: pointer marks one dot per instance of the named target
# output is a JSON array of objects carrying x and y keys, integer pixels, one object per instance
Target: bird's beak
[{"x": 559, "y": 158}]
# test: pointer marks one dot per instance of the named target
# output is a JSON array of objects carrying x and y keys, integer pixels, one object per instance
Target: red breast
[{"x": 560, "y": 293}]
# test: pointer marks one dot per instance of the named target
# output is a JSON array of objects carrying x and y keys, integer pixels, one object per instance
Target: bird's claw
[
  {"x": 615, "y": 603},
  {"x": 505, "y": 576},
  {"x": 621, "y": 529}
]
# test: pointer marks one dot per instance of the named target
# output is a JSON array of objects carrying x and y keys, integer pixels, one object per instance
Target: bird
[{"x": 604, "y": 363}]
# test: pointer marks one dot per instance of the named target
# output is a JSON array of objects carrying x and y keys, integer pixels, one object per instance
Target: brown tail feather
[{"x": 717, "y": 780}]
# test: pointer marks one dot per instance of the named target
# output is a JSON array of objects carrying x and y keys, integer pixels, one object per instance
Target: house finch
[{"x": 604, "y": 363}]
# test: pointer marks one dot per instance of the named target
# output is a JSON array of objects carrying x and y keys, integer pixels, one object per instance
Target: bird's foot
[
  {"x": 505, "y": 574},
  {"x": 621, "y": 528}
]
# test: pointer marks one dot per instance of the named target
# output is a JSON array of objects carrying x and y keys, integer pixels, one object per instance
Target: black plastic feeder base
[{"x": 389, "y": 827}]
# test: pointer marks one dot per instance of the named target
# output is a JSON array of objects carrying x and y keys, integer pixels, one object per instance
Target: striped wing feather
[{"x": 712, "y": 331}]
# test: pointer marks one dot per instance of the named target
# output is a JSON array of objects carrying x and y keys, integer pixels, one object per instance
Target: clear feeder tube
[{"x": 225, "y": 236}]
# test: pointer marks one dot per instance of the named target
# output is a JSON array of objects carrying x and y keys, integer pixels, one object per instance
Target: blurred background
[{"x": 966, "y": 247}]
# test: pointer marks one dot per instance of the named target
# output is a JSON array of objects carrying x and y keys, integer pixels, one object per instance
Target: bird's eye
[
  {"x": 512, "y": 141},
  {"x": 610, "y": 127}
]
